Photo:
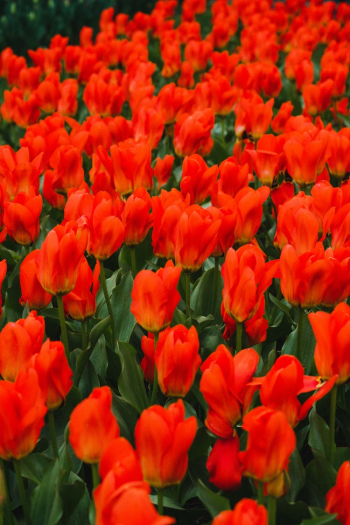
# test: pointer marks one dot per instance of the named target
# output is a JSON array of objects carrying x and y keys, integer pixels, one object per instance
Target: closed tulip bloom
[
  {"x": 127, "y": 504},
  {"x": 271, "y": 441},
  {"x": 197, "y": 178},
  {"x": 60, "y": 257},
  {"x": 93, "y": 425},
  {"x": 21, "y": 217},
  {"x": 224, "y": 385},
  {"x": 246, "y": 512},
  {"x": 155, "y": 297},
  {"x": 163, "y": 169},
  {"x": 54, "y": 373},
  {"x": 249, "y": 212},
  {"x": 305, "y": 279},
  {"x": 80, "y": 303},
  {"x": 163, "y": 438},
  {"x": 192, "y": 133},
  {"x": 225, "y": 469},
  {"x": 337, "y": 498},
  {"x": 22, "y": 418},
  {"x": 19, "y": 341},
  {"x": 284, "y": 382},
  {"x": 246, "y": 278},
  {"x": 177, "y": 360},
  {"x": 120, "y": 457},
  {"x": 32, "y": 291},
  {"x": 131, "y": 166},
  {"x": 332, "y": 354},
  {"x": 136, "y": 217},
  {"x": 196, "y": 238}
]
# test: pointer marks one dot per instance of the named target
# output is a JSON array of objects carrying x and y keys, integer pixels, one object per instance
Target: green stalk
[
  {"x": 271, "y": 509},
  {"x": 222, "y": 129},
  {"x": 5, "y": 500},
  {"x": 155, "y": 380},
  {"x": 216, "y": 279},
  {"x": 95, "y": 475},
  {"x": 64, "y": 333},
  {"x": 22, "y": 492},
  {"x": 133, "y": 261},
  {"x": 188, "y": 294},
  {"x": 107, "y": 299},
  {"x": 53, "y": 433},
  {"x": 260, "y": 493},
  {"x": 239, "y": 332},
  {"x": 332, "y": 423},
  {"x": 160, "y": 501},
  {"x": 300, "y": 333},
  {"x": 84, "y": 334}
]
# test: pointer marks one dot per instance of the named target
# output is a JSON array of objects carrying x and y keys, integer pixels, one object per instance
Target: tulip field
[{"x": 175, "y": 269}]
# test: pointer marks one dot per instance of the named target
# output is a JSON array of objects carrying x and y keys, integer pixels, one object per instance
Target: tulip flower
[
  {"x": 80, "y": 303},
  {"x": 19, "y": 341},
  {"x": 223, "y": 464},
  {"x": 32, "y": 291},
  {"x": 23, "y": 416},
  {"x": 21, "y": 218},
  {"x": 197, "y": 178},
  {"x": 224, "y": 385},
  {"x": 93, "y": 425},
  {"x": 120, "y": 457},
  {"x": 337, "y": 500},
  {"x": 192, "y": 133},
  {"x": 21, "y": 170},
  {"x": 246, "y": 512},
  {"x": 163, "y": 169},
  {"x": 54, "y": 373},
  {"x": 163, "y": 438},
  {"x": 332, "y": 342},
  {"x": 136, "y": 217},
  {"x": 155, "y": 297},
  {"x": 177, "y": 360},
  {"x": 271, "y": 441}
]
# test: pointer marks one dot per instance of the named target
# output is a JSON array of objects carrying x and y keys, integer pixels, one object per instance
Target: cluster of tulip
[{"x": 174, "y": 201}]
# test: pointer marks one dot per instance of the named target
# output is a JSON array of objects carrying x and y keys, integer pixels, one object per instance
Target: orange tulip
[
  {"x": 155, "y": 297},
  {"x": 246, "y": 512},
  {"x": 197, "y": 179},
  {"x": 54, "y": 373},
  {"x": 18, "y": 343},
  {"x": 163, "y": 438},
  {"x": 196, "y": 238},
  {"x": 93, "y": 425},
  {"x": 224, "y": 468},
  {"x": 32, "y": 291},
  {"x": 21, "y": 218},
  {"x": 60, "y": 257},
  {"x": 246, "y": 278},
  {"x": 224, "y": 385},
  {"x": 332, "y": 347},
  {"x": 163, "y": 169},
  {"x": 23, "y": 416},
  {"x": 177, "y": 360},
  {"x": 121, "y": 458},
  {"x": 337, "y": 498},
  {"x": 136, "y": 217},
  {"x": 271, "y": 441},
  {"x": 80, "y": 303},
  {"x": 192, "y": 133}
]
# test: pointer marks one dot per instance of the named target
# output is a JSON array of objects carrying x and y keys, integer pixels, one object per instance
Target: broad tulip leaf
[
  {"x": 319, "y": 436},
  {"x": 47, "y": 507},
  {"x": 203, "y": 301},
  {"x": 212, "y": 501},
  {"x": 124, "y": 320},
  {"x": 126, "y": 416},
  {"x": 131, "y": 379},
  {"x": 308, "y": 343}
]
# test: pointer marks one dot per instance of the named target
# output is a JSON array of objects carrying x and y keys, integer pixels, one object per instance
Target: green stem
[
  {"x": 332, "y": 423},
  {"x": 95, "y": 475},
  {"x": 107, "y": 299},
  {"x": 155, "y": 380},
  {"x": 216, "y": 280},
  {"x": 53, "y": 433},
  {"x": 133, "y": 261},
  {"x": 239, "y": 332},
  {"x": 22, "y": 492},
  {"x": 84, "y": 334},
  {"x": 64, "y": 333},
  {"x": 222, "y": 129},
  {"x": 260, "y": 493},
  {"x": 160, "y": 501},
  {"x": 300, "y": 333},
  {"x": 188, "y": 294},
  {"x": 271, "y": 509}
]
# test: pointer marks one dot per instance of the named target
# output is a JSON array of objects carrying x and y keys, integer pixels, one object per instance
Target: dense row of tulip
[{"x": 175, "y": 245}]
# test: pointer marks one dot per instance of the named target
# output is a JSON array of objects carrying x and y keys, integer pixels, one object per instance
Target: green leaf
[
  {"x": 319, "y": 436},
  {"x": 320, "y": 478},
  {"x": 212, "y": 501},
  {"x": 97, "y": 331},
  {"x": 297, "y": 475},
  {"x": 203, "y": 302},
  {"x": 33, "y": 466},
  {"x": 320, "y": 517},
  {"x": 131, "y": 379},
  {"x": 126, "y": 415},
  {"x": 218, "y": 153},
  {"x": 124, "y": 320},
  {"x": 47, "y": 508},
  {"x": 308, "y": 343},
  {"x": 71, "y": 493}
]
